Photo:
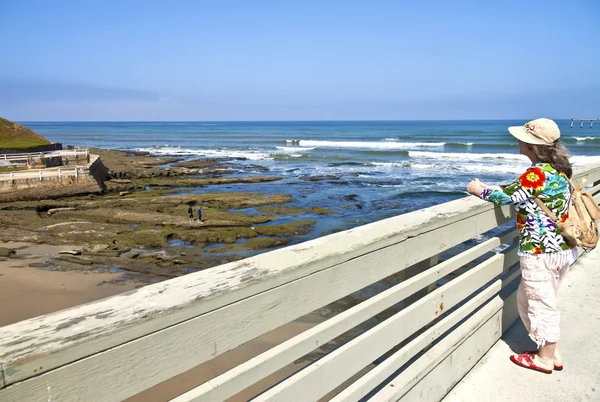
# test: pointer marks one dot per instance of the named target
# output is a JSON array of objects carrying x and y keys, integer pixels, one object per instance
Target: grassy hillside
[{"x": 13, "y": 135}]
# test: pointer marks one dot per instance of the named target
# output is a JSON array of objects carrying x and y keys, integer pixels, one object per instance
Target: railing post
[{"x": 41, "y": 175}]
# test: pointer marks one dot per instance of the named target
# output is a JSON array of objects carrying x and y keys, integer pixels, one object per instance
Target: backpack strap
[
  {"x": 546, "y": 210},
  {"x": 579, "y": 186}
]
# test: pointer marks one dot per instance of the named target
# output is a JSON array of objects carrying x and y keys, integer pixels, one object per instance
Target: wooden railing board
[
  {"x": 101, "y": 325},
  {"x": 316, "y": 380},
  {"x": 466, "y": 344},
  {"x": 246, "y": 374},
  {"x": 367, "y": 383}
]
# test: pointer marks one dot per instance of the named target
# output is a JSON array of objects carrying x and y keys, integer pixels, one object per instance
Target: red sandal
[
  {"x": 525, "y": 360},
  {"x": 535, "y": 352}
]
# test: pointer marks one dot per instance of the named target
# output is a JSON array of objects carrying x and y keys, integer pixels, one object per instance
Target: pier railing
[{"x": 118, "y": 347}]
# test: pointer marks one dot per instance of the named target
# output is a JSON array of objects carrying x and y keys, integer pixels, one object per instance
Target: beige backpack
[{"x": 581, "y": 227}]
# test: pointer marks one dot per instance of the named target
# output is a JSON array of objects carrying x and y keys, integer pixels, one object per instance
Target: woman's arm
[{"x": 530, "y": 184}]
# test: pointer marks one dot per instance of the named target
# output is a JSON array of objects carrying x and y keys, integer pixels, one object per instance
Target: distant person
[
  {"x": 200, "y": 215},
  {"x": 545, "y": 255},
  {"x": 191, "y": 213}
]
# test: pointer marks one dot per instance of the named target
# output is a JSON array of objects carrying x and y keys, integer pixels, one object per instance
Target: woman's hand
[{"x": 475, "y": 187}]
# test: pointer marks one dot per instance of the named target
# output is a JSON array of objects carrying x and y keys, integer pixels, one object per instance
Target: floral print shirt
[{"x": 538, "y": 233}]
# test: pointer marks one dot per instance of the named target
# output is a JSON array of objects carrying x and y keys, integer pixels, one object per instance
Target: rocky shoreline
[{"x": 138, "y": 223}]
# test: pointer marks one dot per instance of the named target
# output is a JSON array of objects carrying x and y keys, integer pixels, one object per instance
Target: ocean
[{"x": 363, "y": 170}]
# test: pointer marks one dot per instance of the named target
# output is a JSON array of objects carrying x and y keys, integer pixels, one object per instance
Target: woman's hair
[{"x": 555, "y": 154}]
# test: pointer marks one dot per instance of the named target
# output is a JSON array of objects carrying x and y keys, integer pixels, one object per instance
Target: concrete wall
[{"x": 55, "y": 161}]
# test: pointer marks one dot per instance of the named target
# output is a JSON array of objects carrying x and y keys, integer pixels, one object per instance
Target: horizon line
[{"x": 271, "y": 121}]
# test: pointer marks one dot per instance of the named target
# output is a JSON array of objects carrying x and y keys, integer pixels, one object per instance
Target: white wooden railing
[
  {"x": 26, "y": 157},
  {"x": 118, "y": 347}
]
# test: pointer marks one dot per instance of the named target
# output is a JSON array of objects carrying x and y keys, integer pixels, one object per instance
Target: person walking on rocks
[
  {"x": 545, "y": 255},
  {"x": 191, "y": 213},
  {"x": 200, "y": 215}
]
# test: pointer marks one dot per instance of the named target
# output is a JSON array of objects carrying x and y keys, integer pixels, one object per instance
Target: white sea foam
[
  {"x": 457, "y": 167},
  {"x": 366, "y": 144},
  {"x": 295, "y": 149},
  {"x": 222, "y": 153},
  {"x": 586, "y": 138},
  {"x": 465, "y": 156}
]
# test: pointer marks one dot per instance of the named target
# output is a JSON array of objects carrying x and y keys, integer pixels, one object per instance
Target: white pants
[{"x": 542, "y": 275}]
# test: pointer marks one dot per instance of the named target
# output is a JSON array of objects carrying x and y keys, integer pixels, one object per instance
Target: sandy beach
[{"x": 30, "y": 292}]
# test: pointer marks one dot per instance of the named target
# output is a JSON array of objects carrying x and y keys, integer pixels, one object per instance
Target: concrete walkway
[{"x": 496, "y": 378}]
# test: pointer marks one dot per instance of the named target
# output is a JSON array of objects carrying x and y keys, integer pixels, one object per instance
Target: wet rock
[
  {"x": 199, "y": 182},
  {"x": 76, "y": 260},
  {"x": 6, "y": 252},
  {"x": 50, "y": 192},
  {"x": 122, "y": 193},
  {"x": 70, "y": 252},
  {"x": 284, "y": 210},
  {"x": 252, "y": 244},
  {"x": 98, "y": 247},
  {"x": 202, "y": 164},
  {"x": 287, "y": 229},
  {"x": 131, "y": 255},
  {"x": 102, "y": 255},
  {"x": 55, "y": 210},
  {"x": 318, "y": 178}
]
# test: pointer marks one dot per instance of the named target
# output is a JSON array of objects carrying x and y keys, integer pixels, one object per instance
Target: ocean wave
[
  {"x": 223, "y": 153},
  {"x": 295, "y": 149},
  {"x": 581, "y": 139},
  {"x": 465, "y": 156},
  {"x": 364, "y": 144},
  {"x": 443, "y": 168},
  {"x": 465, "y": 144}
]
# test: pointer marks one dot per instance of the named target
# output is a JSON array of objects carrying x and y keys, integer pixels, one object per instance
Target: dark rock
[
  {"x": 202, "y": 164},
  {"x": 318, "y": 178},
  {"x": 131, "y": 255}
]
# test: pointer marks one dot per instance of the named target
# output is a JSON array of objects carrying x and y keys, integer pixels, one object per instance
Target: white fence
[
  {"x": 27, "y": 157},
  {"x": 41, "y": 173},
  {"x": 118, "y": 347}
]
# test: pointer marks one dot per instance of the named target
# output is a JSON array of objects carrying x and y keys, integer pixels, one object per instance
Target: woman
[{"x": 545, "y": 255}]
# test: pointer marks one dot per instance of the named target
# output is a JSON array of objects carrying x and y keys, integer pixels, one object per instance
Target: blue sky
[{"x": 299, "y": 60}]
